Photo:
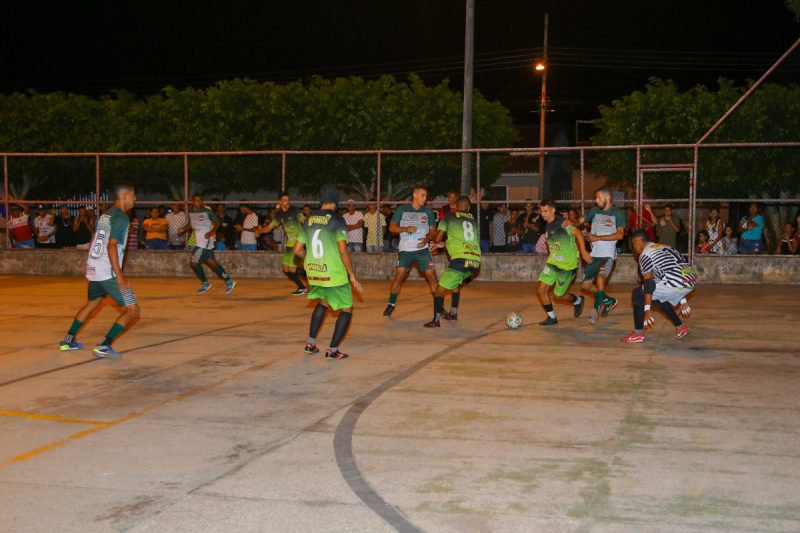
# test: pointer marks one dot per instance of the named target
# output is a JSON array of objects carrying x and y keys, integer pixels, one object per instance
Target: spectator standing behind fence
[
  {"x": 703, "y": 244},
  {"x": 226, "y": 233},
  {"x": 177, "y": 220},
  {"x": 390, "y": 242},
  {"x": 355, "y": 228},
  {"x": 648, "y": 222},
  {"x": 716, "y": 230},
  {"x": 515, "y": 229},
  {"x": 375, "y": 223},
  {"x": 786, "y": 243},
  {"x": 668, "y": 228},
  {"x": 3, "y": 230},
  {"x": 451, "y": 206},
  {"x": 45, "y": 228},
  {"x": 155, "y": 230},
  {"x": 485, "y": 223},
  {"x": 796, "y": 237},
  {"x": 247, "y": 229},
  {"x": 83, "y": 228},
  {"x": 65, "y": 235},
  {"x": 19, "y": 227},
  {"x": 497, "y": 230},
  {"x": 751, "y": 239},
  {"x": 728, "y": 244},
  {"x": 532, "y": 226},
  {"x": 133, "y": 230}
]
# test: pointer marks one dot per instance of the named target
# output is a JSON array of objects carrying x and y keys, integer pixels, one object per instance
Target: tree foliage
[
  {"x": 663, "y": 114},
  {"x": 241, "y": 114}
]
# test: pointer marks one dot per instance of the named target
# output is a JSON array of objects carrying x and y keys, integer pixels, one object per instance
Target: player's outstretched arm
[{"x": 344, "y": 253}]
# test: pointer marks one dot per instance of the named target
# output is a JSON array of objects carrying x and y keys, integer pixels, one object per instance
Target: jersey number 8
[{"x": 469, "y": 231}]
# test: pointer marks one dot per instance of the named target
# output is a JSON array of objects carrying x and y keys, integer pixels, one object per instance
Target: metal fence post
[
  {"x": 639, "y": 186},
  {"x": 5, "y": 199},
  {"x": 283, "y": 172},
  {"x": 583, "y": 183},
  {"x": 378, "y": 238},
  {"x": 478, "y": 195},
  {"x": 97, "y": 182},
  {"x": 693, "y": 205},
  {"x": 186, "y": 182}
]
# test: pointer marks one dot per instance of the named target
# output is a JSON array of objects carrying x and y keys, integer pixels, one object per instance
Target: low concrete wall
[{"x": 495, "y": 267}]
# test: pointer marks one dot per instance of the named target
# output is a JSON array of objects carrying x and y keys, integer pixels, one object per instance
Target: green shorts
[
  {"x": 110, "y": 287},
  {"x": 561, "y": 279},
  {"x": 201, "y": 255},
  {"x": 340, "y": 297},
  {"x": 290, "y": 260},
  {"x": 599, "y": 265},
  {"x": 457, "y": 272},
  {"x": 422, "y": 258}
]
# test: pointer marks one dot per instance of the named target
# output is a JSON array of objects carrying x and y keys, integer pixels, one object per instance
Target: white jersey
[
  {"x": 422, "y": 219},
  {"x": 605, "y": 223},
  {"x": 113, "y": 224},
  {"x": 202, "y": 222}
]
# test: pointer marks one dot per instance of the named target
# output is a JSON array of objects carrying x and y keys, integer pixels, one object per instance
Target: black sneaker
[
  {"x": 608, "y": 306},
  {"x": 578, "y": 308},
  {"x": 433, "y": 324},
  {"x": 300, "y": 292},
  {"x": 389, "y": 310},
  {"x": 450, "y": 316},
  {"x": 311, "y": 349},
  {"x": 330, "y": 354},
  {"x": 549, "y": 321}
]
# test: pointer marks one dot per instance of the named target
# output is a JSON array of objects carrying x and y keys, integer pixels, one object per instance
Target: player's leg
[
  {"x": 438, "y": 305},
  {"x": 317, "y": 317},
  {"x": 591, "y": 284},
  {"x": 197, "y": 267},
  {"x": 70, "y": 342},
  {"x": 547, "y": 279},
  {"x": 400, "y": 275},
  {"x": 339, "y": 299},
  {"x": 125, "y": 299},
  {"x": 667, "y": 298},
  {"x": 608, "y": 303},
  {"x": 211, "y": 261},
  {"x": 564, "y": 279},
  {"x": 455, "y": 299},
  {"x": 290, "y": 270},
  {"x": 637, "y": 301}
]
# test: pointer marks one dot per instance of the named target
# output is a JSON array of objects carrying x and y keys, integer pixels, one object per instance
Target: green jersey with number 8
[
  {"x": 462, "y": 236},
  {"x": 321, "y": 234}
]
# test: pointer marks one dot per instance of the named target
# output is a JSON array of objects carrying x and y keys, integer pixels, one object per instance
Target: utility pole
[
  {"x": 466, "y": 126},
  {"x": 543, "y": 111}
]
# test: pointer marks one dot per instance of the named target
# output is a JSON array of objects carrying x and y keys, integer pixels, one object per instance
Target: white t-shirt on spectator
[
  {"x": 46, "y": 229},
  {"x": 355, "y": 235},
  {"x": 250, "y": 222},
  {"x": 177, "y": 221}
]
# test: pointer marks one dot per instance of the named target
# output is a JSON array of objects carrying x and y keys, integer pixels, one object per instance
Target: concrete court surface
[{"x": 214, "y": 420}]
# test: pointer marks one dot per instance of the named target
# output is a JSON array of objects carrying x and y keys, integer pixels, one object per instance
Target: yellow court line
[
  {"x": 136, "y": 414},
  {"x": 52, "y": 418}
]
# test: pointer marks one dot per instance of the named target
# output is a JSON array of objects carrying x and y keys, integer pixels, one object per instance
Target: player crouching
[
  {"x": 464, "y": 250},
  {"x": 667, "y": 280}
]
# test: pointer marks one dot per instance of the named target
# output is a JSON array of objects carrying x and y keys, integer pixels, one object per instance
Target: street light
[{"x": 539, "y": 66}]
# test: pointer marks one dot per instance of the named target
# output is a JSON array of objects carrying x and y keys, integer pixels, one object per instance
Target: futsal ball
[{"x": 513, "y": 320}]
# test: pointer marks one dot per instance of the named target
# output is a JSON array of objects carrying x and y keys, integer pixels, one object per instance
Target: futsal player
[
  {"x": 291, "y": 219},
  {"x": 205, "y": 223}
]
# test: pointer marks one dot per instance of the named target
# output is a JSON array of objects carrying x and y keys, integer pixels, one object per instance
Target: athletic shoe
[
  {"x": 69, "y": 346},
  {"x": 450, "y": 316},
  {"x": 578, "y": 308},
  {"x": 633, "y": 337},
  {"x": 105, "y": 350},
  {"x": 681, "y": 332},
  {"x": 433, "y": 324},
  {"x": 204, "y": 288},
  {"x": 311, "y": 349},
  {"x": 229, "y": 286},
  {"x": 549, "y": 321},
  {"x": 594, "y": 316},
  {"x": 609, "y": 305},
  {"x": 389, "y": 310},
  {"x": 300, "y": 292},
  {"x": 330, "y": 354}
]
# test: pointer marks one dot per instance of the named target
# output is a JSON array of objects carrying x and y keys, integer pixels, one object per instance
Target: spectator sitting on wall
[
  {"x": 703, "y": 244},
  {"x": 44, "y": 227},
  {"x": 247, "y": 229},
  {"x": 728, "y": 244},
  {"x": 65, "y": 235},
  {"x": 498, "y": 230},
  {"x": 155, "y": 230},
  {"x": 786, "y": 244},
  {"x": 751, "y": 240},
  {"x": 83, "y": 228},
  {"x": 668, "y": 228},
  {"x": 355, "y": 228}
]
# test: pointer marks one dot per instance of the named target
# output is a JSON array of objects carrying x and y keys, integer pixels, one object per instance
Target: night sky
[{"x": 600, "y": 49}]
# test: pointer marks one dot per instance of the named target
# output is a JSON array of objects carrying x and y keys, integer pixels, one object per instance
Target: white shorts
[{"x": 673, "y": 295}]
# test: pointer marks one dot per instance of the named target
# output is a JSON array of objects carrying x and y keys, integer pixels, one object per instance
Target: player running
[
  {"x": 667, "y": 280},
  {"x": 414, "y": 222},
  {"x": 607, "y": 227},
  {"x": 104, "y": 272},
  {"x": 464, "y": 250},
  {"x": 566, "y": 246},
  {"x": 291, "y": 219},
  {"x": 329, "y": 270},
  {"x": 205, "y": 223}
]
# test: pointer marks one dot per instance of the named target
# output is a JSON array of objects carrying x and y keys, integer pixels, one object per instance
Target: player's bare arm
[
  {"x": 115, "y": 266},
  {"x": 579, "y": 241},
  {"x": 344, "y": 252}
]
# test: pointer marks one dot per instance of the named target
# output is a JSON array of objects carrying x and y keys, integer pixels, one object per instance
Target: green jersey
[
  {"x": 321, "y": 234},
  {"x": 462, "y": 236},
  {"x": 113, "y": 224},
  {"x": 202, "y": 221},
  {"x": 292, "y": 222},
  {"x": 562, "y": 244}
]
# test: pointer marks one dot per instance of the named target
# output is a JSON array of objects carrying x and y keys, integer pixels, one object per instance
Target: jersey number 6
[{"x": 317, "y": 250}]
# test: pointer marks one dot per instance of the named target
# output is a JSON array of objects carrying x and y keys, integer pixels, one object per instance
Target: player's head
[
  {"x": 548, "y": 209},
  {"x": 283, "y": 200},
  {"x": 419, "y": 195},
  {"x": 328, "y": 197},
  {"x": 197, "y": 201},
  {"x": 125, "y": 194},
  {"x": 603, "y": 198},
  {"x": 463, "y": 203},
  {"x": 452, "y": 197},
  {"x": 639, "y": 240}
]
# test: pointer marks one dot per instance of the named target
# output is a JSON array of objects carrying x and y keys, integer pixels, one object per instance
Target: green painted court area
[{"x": 215, "y": 420}]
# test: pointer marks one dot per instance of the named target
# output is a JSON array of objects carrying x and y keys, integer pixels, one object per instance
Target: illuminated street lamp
[{"x": 539, "y": 66}]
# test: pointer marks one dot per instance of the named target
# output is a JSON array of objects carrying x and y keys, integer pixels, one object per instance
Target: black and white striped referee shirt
[{"x": 668, "y": 267}]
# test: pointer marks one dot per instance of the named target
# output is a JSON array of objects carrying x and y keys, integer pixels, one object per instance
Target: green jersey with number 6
[
  {"x": 462, "y": 236},
  {"x": 321, "y": 234}
]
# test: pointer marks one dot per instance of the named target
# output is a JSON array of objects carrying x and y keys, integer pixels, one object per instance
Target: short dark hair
[
  {"x": 419, "y": 186},
  {"x": 197, "y": 195},
  {"x": 549, "y": 202},
  {"x": 603, "y": 190},
  {"x": 282, "y": 194},
  {"x": 463, "y": 202},
  {"x": 120, "y": 186},
  {"x": 668, "y": 206},
  {"x": 640, "y": 234}
]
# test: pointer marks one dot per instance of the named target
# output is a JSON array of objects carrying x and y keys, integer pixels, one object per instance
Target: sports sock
[
  {"x": 576, "y": 300},
  {"x": 73, "y": 330},
  {"x": 599, "y": 297},
  {"x": 294, "y": 277},
  {"x": 342, "y": 325},
  {"x": 454, "y": 299},
  {"x": 200, "y": 273},
  {"x": 638, "y": 318},
  {"x": 221, "y": 272},
  {"x": 316, "y": 321},
  {"x": 549, "y": 309},
  {"x": 638, "y": 331},
  {"x": 438, "y": 307},
  {"x": 112, "y": 334},
  {"x": 670, "y": 312},
  {"x": 393, "y": 298}
]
